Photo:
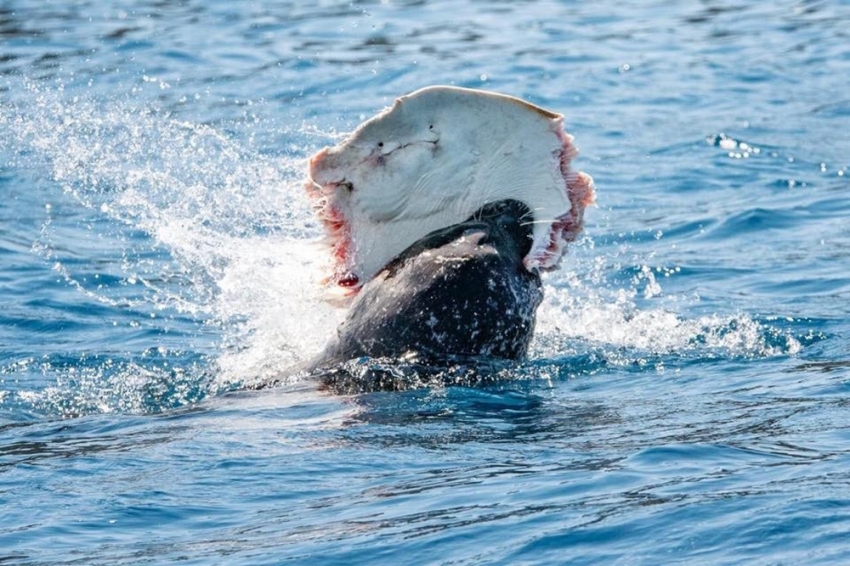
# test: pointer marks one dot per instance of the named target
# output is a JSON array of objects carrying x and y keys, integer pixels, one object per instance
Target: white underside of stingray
[{"x": 430, "y": 161}]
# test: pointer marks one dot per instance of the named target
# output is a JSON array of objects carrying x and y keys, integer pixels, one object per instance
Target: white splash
[
  {"x": 581, "y": 310},
  {"x": 234, "y": 220}
]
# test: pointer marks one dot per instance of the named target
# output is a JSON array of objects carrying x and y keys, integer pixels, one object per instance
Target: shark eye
[{"x": 380, "y": 144}]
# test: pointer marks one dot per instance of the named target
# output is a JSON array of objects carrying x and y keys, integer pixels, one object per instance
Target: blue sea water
[{"x": 686, "y": 398}]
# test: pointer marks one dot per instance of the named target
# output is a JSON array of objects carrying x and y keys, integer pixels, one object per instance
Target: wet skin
[{"x": 459, "y": 293}]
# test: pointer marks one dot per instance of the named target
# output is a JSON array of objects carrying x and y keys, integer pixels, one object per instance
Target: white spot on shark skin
[
  {"x": 430, "y": 161},
  {"x": 449, "y": 260}
]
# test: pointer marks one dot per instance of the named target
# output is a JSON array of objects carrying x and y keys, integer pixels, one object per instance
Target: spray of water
[
  {"x": 584, "y": 311},
  {"x": 242, "y": 252},
  {"x": 240, "y": 239}
]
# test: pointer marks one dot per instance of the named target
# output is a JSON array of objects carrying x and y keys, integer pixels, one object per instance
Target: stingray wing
[{"x": 433, "y": 159}]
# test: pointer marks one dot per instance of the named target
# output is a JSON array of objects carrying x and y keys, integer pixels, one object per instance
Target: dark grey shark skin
[{"x": 460, "y": 293}]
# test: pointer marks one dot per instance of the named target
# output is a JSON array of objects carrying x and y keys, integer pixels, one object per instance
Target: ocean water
[{"x": 687, "y": 397}]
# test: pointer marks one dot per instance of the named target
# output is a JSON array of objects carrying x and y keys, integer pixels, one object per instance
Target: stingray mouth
[{"x": 337, "y": 228}]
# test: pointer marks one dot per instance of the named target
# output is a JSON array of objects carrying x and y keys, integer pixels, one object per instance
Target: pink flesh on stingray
[
  {"x": 374, "y": 198},
  {"x": 565, "y": 228}
]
